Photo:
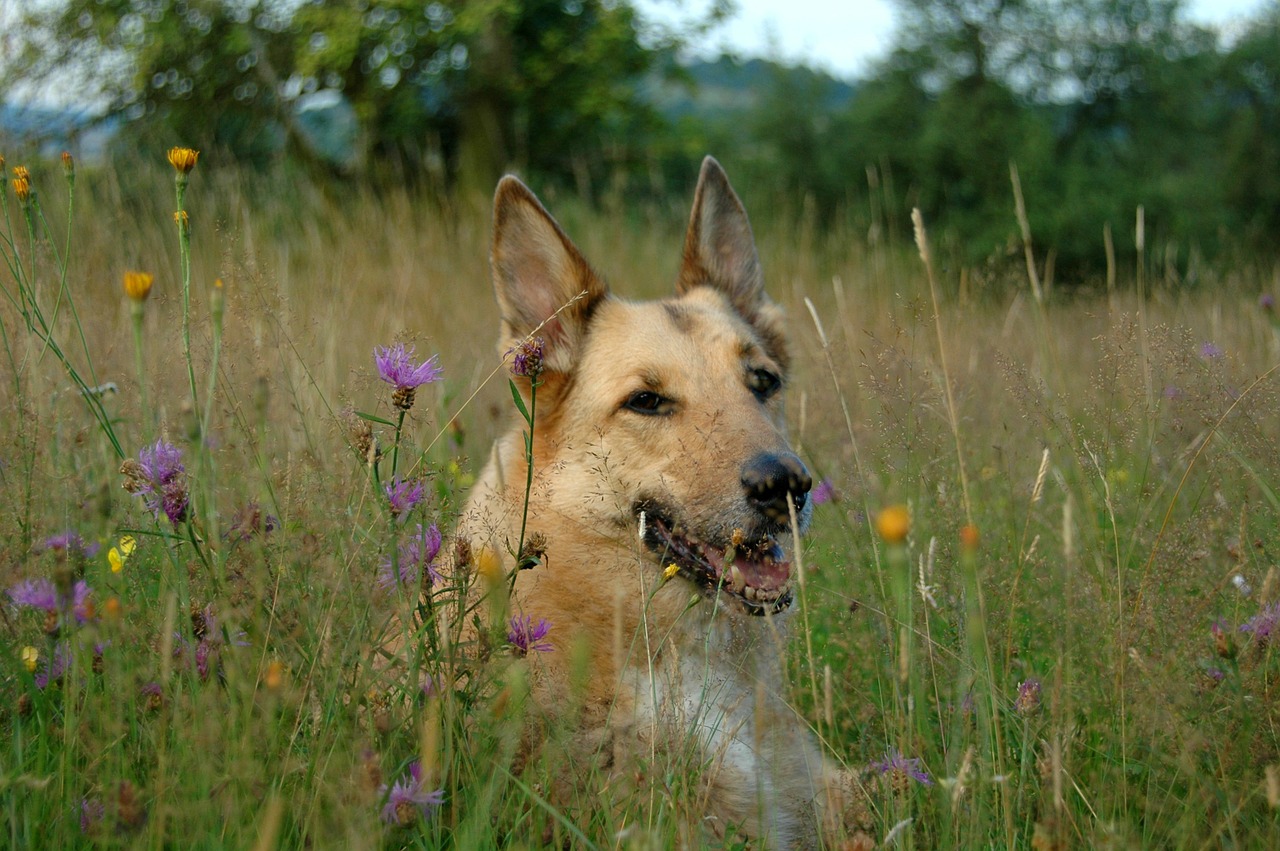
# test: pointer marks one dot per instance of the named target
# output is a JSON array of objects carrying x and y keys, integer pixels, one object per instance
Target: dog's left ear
[{"x": 720, "y": 252}]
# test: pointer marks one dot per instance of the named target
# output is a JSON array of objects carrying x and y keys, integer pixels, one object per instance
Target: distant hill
[{"x": 710, "y": 89}]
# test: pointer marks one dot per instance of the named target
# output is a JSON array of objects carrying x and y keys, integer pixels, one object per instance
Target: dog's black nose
[{"x": 768, "y": 478}]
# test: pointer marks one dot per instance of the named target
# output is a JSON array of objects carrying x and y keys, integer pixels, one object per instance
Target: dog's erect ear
[
  {"x": 536, "y": 272},
  {"x": 720, "y": 252}
]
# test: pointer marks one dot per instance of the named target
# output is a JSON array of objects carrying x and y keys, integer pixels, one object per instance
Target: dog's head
[{"x": 663, "y": 417}]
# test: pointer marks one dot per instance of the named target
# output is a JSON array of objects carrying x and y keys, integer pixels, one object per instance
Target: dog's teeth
[{"x": 736, "y": 580}]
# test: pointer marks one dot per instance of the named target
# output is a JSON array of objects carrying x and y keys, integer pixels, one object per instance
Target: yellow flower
[
  {"x": 137, "y": 285},
  {"x": 969, "y": 538},
  {"x": 20, "y": 172},
  {"x": 489, "y": 565},
  {"x": 670, "y": 571},
  {"x": 30, "y": 658},
  {"x": 273, "y": 675},
  {"x": 893, "y": 524},
  {"x": 22, "y": 187},
  {"x": 120, "y": 554},
  {"x": 183, "y": 159}
]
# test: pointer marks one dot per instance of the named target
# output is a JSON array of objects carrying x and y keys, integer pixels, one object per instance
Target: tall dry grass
[{"x": 1091, "y": 483}]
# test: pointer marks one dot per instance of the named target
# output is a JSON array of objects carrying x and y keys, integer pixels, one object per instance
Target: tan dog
[{"x": 659, "y": 441}]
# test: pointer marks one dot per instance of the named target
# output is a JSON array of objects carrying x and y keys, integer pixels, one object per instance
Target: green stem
[
  {"x": 184, "y": 244},
  {"x": 136, "y": 309}
]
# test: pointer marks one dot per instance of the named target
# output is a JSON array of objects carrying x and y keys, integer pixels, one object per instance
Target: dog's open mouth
[{"x": 754, "y": 573}]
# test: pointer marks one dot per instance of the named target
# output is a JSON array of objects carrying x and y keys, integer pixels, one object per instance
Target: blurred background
[{"x": 828, "y": 112}]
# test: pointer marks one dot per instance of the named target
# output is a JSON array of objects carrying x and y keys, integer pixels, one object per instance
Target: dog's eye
[
  {"x": 646, "y": 402},
  {"x": 763, "y": 383}
]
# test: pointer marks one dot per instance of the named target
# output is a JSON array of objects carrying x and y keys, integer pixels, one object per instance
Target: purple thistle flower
[
  {"x": 417, "y": 552},
  {"x": 524, "y": 635},
  {"x": 70, "y": 543},
  {"x": 527, "y": 359},
  {"x": 1210, "y": 350},
  {"x": 158, "y": 476},
  {"x": 55, "y": 666},
  {"x": 403, "y": 495},
  {"x": 429, "y": 686},
  {"x": 1028, "y": 700},
  {"x": 43, "y": 595},
  {"x": 897, "y": 766},
  {"x": 1264, "y": 624},
  {"x": 823, "y": 493},
  {"x": 1267, "y": 302},
  {"x": 396, "y": 367},
  {"x": 409, "y": 799},
  {"x": 92, "y": 812}
]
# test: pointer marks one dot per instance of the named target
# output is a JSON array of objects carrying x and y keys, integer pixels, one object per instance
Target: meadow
[{"x": 1039, "y": 595}]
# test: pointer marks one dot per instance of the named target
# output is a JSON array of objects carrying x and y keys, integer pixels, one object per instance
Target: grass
[{"x": 1091, "y": 483}]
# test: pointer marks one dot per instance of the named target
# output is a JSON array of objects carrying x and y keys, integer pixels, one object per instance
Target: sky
[{"x": 845, "y": 37}]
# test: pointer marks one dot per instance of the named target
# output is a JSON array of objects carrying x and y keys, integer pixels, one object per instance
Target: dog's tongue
[{"x": 764, "y": 569}]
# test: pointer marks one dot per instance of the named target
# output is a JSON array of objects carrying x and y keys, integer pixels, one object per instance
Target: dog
[{"x": 662, "y": 501}]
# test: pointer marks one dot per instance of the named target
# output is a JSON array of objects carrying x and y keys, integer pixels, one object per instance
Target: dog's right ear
[{"x": 538, "y": 271}]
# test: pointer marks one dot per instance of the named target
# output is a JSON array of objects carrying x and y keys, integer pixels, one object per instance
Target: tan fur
[{"x": 673, "y": 671}]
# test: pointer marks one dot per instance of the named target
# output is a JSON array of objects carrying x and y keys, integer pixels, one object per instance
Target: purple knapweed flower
[
  {"x": 899, "y": 769},
  {"x": 416, "y": 553},
  {"x": 92, "y": 812},
  {"x": 1210, "y": 351},
  {"x": 396, "y": 366},
  {"x": 158, "y": 476},
  {"x": 823, "y": 493},
  {"x": 524, "y": 635},
  {"x": 429, "y": 686},
  {"x": 403, "y": 495},
  {"x": 55, "y": 665},
  {"x": 526, "y": 358},
  {"x": 1267, "y": 302},
  {"x": 1171, "y": 392},
  {"x": 42, "y": 594},
  {"x": 409, "y": 799},
  {"x": 1264, "y": 624},
  {"x": 71, "y": 544},
  {"x": 1027, "y": 701}
]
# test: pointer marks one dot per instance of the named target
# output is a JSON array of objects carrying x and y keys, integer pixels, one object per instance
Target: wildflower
[
  {"x": 533, "y": 552},
  {"x": 1171, "y": 392},
  {"x": 20, "y": 172},
  {"x": 183, "y": 159},
  {"x": 54, "y": 667},
  {"x": 1264, "y": 624},
  {"x": 403, "y": 495},
  {"x": 969, "y": 538},
  {"x": 428, "y": 686},
  {"x": 92, "y": 812},
  {"x": 21, "y": 186},
  {"x": 41, "y": 594},
  {"x": 900, "y": 771},
  {"x": 409, "y": 798},
  {"x": 824, "y": 492},
  {"x": 68, "y": 165},
  {"x": 251, "y": 521},
  {"x": 893, "y": 524},
  {"x": 523, "y": 635},
  {"x": 1267, "y": 302},
  {"x": 137, "y": 285},
  {"x": 670, "y": 571},
  {"x": 1222, "y": 643},
  {"x": 396, "y": 366},
  {"x": 111, "y": 609},
  {"x": 1027, "y": 701},
  {"x": 71, "y": 544},
  {"x": 1210, "y": 351},
  {"x": 30, "y": 658},
  {"x": 120, "y": 553},
  {"x": 210, "y": 641},
  {"x": 416, "y": 553},
  {"x": 158, "y": 476},
  {"x": 273, "y": 676},
  {"x": 152, "y": 697},
  {"x": 527, "y": 360}
]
